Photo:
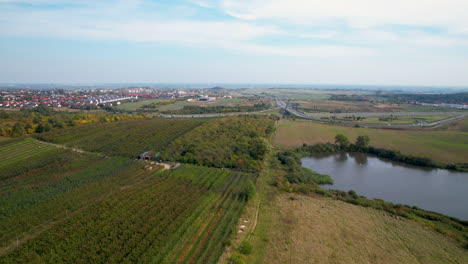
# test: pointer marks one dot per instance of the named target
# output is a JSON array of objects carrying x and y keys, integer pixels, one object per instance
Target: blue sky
[{"x": 401, "y": 42}]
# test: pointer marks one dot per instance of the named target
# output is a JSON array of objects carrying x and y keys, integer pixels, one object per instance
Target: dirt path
[{"x": 73, "y": 149}]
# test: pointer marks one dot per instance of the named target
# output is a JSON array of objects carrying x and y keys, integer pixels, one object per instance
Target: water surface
[{"x": 436, "y": 190}]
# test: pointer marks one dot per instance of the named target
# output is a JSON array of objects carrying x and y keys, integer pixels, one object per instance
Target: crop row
[
  {"x": 127, "y": 139},
  {"x": 131, "y": 215}
]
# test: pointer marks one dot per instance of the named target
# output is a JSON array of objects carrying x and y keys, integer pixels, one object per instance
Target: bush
[
  {"x": 237, "y": 258},
  {"x": 245, "y": 247}
]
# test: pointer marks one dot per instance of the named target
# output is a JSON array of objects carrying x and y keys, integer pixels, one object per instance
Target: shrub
[
  {"x": 245, "y": 247},
  {"x": 237, "y": 258}
]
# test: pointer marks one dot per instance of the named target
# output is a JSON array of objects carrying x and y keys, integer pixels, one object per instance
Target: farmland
[
  {"x": 133, "y": 106},
  {"x": 300, "y": 94},
  {"x": 440, "y": 145},
  {"x": 126, "y": 139},
  {"x": 219, "y": 102},
  {"x": 344, "y": 106},
  {"x": 90, "y": 208}
]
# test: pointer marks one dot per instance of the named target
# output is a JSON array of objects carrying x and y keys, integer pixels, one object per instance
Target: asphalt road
[{"x": 459, "y": 115}]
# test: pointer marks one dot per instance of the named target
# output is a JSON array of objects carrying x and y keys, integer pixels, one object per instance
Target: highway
[{"x": 459, "y": 115}]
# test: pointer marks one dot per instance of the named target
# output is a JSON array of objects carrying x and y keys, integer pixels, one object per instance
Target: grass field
[
  {"x": 132, "y": 106},
  {"x": 127, "y": 138},
  {"x": 299, "y": 93},
  {"x": 420, "y": 108},
  {"x": 344, "y": 106},
  {"x": 322, "y": 230},
  {"x": 66, "y": 206},
  {"x": 413, "y": 119},
  {"x": 440, "y": 145},
  {"x": 218, "y": 102}
]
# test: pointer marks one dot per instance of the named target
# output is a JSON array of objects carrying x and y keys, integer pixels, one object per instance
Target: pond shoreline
[{"x": 433, "y": 189}]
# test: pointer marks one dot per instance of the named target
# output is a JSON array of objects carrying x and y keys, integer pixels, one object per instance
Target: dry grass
[
  {"x": 445, "y": 145},
  {"x": 322, "y": 230}
]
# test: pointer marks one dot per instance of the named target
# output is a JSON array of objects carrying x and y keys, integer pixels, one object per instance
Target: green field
[
  {"x": 127, "y": 138},
  {"x": 133, "y": 106},
  {"x": 403, "y": 119},
  {"x": 300, "y": 94},
  {"x": 440, "y": 145},
  {"x": 61, "y": 205},
  {"x": 218, "y": 102}
]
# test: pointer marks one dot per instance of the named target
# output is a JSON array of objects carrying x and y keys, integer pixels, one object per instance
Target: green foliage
[
  {"x": 18, "y": 130},
  {"x": 245, "y": 247},
  {"x": 408, "y": 159},
  {"x": 362, "y": 142},
  {"x": 342, "y": 141},
  {"x": 43, "y": 119},
  {"x": 250, "y": 190},
  {"x": 231, "y": 142},
  {"x": 194, "y": 109},
  {"x": 237, "y": 258}
]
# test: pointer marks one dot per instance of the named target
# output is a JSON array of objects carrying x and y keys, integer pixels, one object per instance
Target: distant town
[{"x": 92, "y": 98}]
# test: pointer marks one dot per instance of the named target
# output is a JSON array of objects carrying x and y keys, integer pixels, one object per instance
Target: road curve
[{"x": 297, "y": 113}]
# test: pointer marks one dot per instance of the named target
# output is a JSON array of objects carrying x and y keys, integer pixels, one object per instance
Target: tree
[
  {"x": 342, "y": 140},
  {"x": 18, "y": 130},
  {"x": 40, "y": 128},
  {"x": 362, "y": 142}
]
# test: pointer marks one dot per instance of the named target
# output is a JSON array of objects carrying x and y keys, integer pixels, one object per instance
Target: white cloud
[
  {"x": 114, "y": 24},
  {"x": 358, "y": 13},
  {"x": 203, "y": 3}
]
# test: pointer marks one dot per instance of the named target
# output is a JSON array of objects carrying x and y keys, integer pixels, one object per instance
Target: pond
[{"x": 437, "y": 190}]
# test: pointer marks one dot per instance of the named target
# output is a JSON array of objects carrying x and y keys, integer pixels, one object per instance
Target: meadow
[
  {"x": 315, "y": 229},
  {"x": 300, "y": 94},
  {"x": 218, "y": 102},
  {"x": 88, "y": 208},
  {"x": 126, "y": 139},
  {"x": 133, "y": 106},
  {"x": 345, "y": 106},
  {"x": 441, "y": 145}
]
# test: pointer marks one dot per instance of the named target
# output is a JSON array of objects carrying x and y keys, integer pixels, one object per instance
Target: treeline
[
  {"x": 362, "y": 145},
  {"x": 296, "y": 174},
  {"x": 193, "y": 109},
  {"x": 43, "y": 119},
  {"x": 454, "y": 98},
  {"x": 233, "y": 142}
]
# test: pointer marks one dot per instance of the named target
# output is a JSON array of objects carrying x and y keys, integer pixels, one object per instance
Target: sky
[{"x": 379, "y": 42}]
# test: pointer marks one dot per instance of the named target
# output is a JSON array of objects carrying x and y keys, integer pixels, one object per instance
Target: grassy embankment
[{"x": 443, "y": 145}]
